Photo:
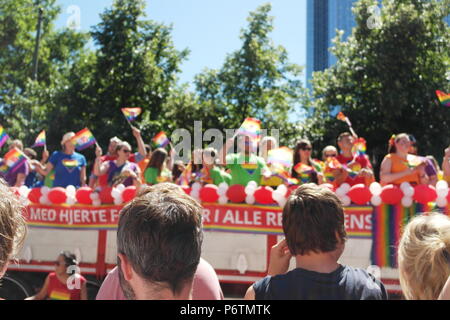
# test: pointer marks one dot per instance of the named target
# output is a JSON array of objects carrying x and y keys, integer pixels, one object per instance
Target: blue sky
[{"x": 209, "y": 28}]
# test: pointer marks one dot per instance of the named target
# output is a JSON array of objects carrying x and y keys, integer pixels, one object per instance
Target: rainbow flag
[
  {"x": 250, "y": 127},
  {"x": 131, "y": 113},
  {"x": 40, "y": 140},
  {"x": 83, "y": 139},
  {"x": 414, "y": 161},
  {"x": 59, "y": 295},
  {"x": 12, "y": 160},
  {"x": 281, "y": 156},
  {"x": 161, "y": 140},
  {"x": 444, "y": 98},
  {"x": 341, "y": 116},
  {"x": 68, "y": 163},
  {"x": 3, "y": 136},
  {"x": 359, "y": 147}
]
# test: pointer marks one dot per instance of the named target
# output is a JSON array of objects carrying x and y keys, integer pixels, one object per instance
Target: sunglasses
[
  {"x": 306, "y": 149},
  {"x": 126, "y": 151},
  {"x": 330, "y": 155}
]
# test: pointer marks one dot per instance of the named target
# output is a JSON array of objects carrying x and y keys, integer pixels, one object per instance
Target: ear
[{"x": 125, "y": 265}]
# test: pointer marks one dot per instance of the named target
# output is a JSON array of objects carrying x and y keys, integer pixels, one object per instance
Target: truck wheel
[{"x": 13, "y": 288}]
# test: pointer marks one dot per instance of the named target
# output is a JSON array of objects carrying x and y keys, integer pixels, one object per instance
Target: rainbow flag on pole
[
  {"x": 83, "y": 139},
  {"x": 341, "y": 116},
  {"x": 40, "y": 140},
  {"x": 3, "y": 136},
  {"x": 251, "y": 127},
  {"x": 281, "y": 156},
  {"x": 131, "y": 113},
  {"x": 444, "y": 98},
  {"x": 161, "y": 140},
  {"x": 12, "y": 160}
]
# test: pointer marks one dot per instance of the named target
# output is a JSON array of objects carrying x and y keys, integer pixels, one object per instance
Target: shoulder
[
  {"x": 365, "y": 284},
  {"x": 206, "y": 284},
  {"x": 80, "y": 156},
  {"x": 261, "y": 288},
  {"x": 55, "y": 155}
]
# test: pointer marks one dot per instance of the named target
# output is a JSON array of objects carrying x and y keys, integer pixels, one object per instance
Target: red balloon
[
  {"x": 129, "y": 193},
  {"x": 83, "y": 195},
  {"x": 187, "y": 189},
  {"x": 291, "y": 189},
  {"x": 360, "y": 194},
  {"x": 448, "y": 197},
  {"x": 236, "y": 193},
  {"x": 105, "y": 195},
  {"x": 263, "y": 195},
  {"x": 209, "y": 193},
  {"x": 57, "y": 195},
  {"x": 391, "y": 194},
  {"x": 424, "y": 193},
  {"x": 34, "y": 195}
]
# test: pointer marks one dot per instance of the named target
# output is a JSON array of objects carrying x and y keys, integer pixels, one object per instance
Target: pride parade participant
[
  {"x": 57, "y": 285},
  {"x": 210, "y": 173},
  {"x": 119, "y": 171},
  {"x": 358, "y": 166},
  {"x": 69, "y": 166},
  {"x": 244, "y": 166},
  {"x": 16, "y": 176},
  {"x": 431, "y": 169},
  {"x": 304, "y": 168},
  {"x": 446, "y": 164},
  {"x": 396, "y": 167},
  {"x": 157, "y": 171}
]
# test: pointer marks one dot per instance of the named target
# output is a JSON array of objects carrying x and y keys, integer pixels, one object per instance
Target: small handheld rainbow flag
[
  {"x": 83, "y": 139},
  {"x": 414, "y": 161},
  {"x": 40, "y": 140},
  {"x": 359, "y": 147},
  {"x": 250, "y": 127},
  {"x": 444, "y": 98},
  {"x": 282, "y": 156},
  {"x": 12, "y": 160},
  {"x": 341, "y": 116},
  {"x": 3, "y": 136},
  {"x": 161, "y": 140},
  {"x": 131, "y": 113}
]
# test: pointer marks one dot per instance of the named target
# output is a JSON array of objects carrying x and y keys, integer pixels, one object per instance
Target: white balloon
[
  {"x": 195, "y": 194},
  {"x": 94, "y": 196},
  {"x": 442, "y": 193},
  {"x": 223, "y": 200},
  {"x": 404, "y": 186},
  {"x": 277, "y": 196},
  {"x": 97, "y": 202},
  {"x": 44, "y": 200},
  {"x": 376, "y": 201},
  {"x": 441, "y": 184},
  {"x": 120, "y": 187},
  {"x": 24, "y": 191},
  {"x": 407, "y": 202},
  {"x": 70, "y": 190},
  {"x": 346, "y": 201},
  {"x": 340, "y": 192},
  {"x": 253, "y": 183},
  {"x": 118, "y": 201},
  {"x": 282, "y": 203},
  {"x": 221, "y": 192},
  {"x": 45, "y": 190},
  {"x": 408, "y": 191},
  {"x": 441, "y": 202},
  {"x": 250, "y": 190},
  {"x": 282, "y": 189},
  {"x": 223, "y": 185},
  {"x": 250, "y": 199},
  {"x": 71, "y": 201},
  {"x": 346, "y": 187},
  {"x": 196, "y": 187},
  {"x": 375, "y": 188},
  {"x": 115, "y": 193}
]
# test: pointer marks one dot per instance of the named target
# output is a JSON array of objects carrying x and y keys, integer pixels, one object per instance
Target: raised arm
[
  {"x": 99, "y": 167},
  {"x": 140, "y": 141}
]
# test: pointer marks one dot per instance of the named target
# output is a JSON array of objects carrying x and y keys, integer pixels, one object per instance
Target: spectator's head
[
  {"x": 267, "y": 143},
  {"x": 66, "y": 143},
  {"x": 413, "y": 146},
  {"x": 399, "y": 143},
  {"x": 177, "y": 170},
  {"x": 313, "y": 221},
  {"x": 16, "y": 144},
  {"x": 209, "y": 156},
  {"x": 345, "y": 142},
  {"x": 113, "y": 142},
  {"x": 12, "y": 226},
  {"x": 302, "y": 151},
  {"x": 148, "y": 151},
  {"x": 123, "y": 150},
  {"x": 424, "y": 256},
  {"x": 64, "y": 262},
  {"x": 159, "y": 242},
  {"x": 434, "y": 162},
  {"x": 30, "y": 153},
  {"x": 158, "y": 159},
  {"x": 328, "y": 152}
]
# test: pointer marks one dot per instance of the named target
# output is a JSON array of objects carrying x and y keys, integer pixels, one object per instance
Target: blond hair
[
  {"x": 424, "y": 256},
  {"x": 12, "y": 224}
]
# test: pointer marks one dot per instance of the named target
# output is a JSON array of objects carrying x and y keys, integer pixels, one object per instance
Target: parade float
[{"x": 240, "y": 223}]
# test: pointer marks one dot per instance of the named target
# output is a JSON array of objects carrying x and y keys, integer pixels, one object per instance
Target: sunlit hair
[
  {"x": 328, "y": 149},
  {"x": 120, "y": 145},
  {"x": 424, "y": 256},
  {"x": 394, "y": 139},
  {"x": 158, "y": 159}
]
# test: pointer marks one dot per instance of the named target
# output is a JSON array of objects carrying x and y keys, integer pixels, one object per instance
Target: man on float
[{"x": 244, "y": 166}]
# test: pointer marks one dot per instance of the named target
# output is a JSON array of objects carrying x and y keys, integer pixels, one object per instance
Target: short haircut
[
  {"x": 424, "y": 256},
  {"x": 13, "y": 228},
  {"x": 343, "y": 135},
  {"x": 31, "y": 153},
  {"x": 121, "y": 145},
  {"x": 313, "y": 217},
  {"x": 160, "y": 233}
]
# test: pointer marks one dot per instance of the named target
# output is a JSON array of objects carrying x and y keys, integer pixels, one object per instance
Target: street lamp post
[{"x": 36, "y": 47}]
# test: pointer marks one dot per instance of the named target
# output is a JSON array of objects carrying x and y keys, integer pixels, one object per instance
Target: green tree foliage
[
  {"x": 386, "y": 77},
  {"x": 255, "y": 81}
]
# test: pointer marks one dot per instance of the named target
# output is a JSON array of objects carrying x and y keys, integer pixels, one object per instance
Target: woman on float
[
  {"x": 69, "y": 166},
  {"x": 396, "y": 169},
  {"x": 65, "y": 283},
  {"x": 211, "y": 173},
  {"x": 157, "y": 171},
  {"x": 446, "y": 165},
  {"x": 120, "y": 170},
  {"x": 304, "y": 168}
]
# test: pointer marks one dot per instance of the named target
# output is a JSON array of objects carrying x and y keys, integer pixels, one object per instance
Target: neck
[
  {"x": 402, "y": 154},
  {"x": 318, "y": 262},
  {"x": 69, "y": 152},
  {"x": 347, "y": 153},
  {"x": 304, "y": 161},
  {"x": 145, "y": 292},
  {"x": 121, "y": 161}
]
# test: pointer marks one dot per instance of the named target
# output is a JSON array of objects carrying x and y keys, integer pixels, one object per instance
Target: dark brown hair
[
  {"x": 160, "y": 232},
  {"x": 157, "y": 160},
  {"x": 391, "y": 147},
  {"x": 312, "y": 217},
  {"x": 301, "y": 144}
]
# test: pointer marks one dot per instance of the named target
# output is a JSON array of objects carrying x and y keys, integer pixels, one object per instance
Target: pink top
[{"x": 206, "y": 285}]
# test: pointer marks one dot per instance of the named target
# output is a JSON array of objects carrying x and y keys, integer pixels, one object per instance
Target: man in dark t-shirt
[{"x": 313, "y": 223}]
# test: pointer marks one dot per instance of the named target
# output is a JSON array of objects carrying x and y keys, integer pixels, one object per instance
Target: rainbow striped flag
[
  {"x": 359, "y": 147},
  {"x": 3, "y": 136},
  {"x": 341, "y": 116},
  {"x": 83, "y": 139},
  {"x": 444, "y": 98},
  {"x": 68, "y": 163},
  {"x": 12, "y": 160},
  {"x": 250, "y": 127},
  {"x": 161, "y": 140},
  {"x": 59, "y": 295},
  {"x": 281, "y": 156},
  {"x": 40, "y": 140},
  {"x": 131, "y": 113}
]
